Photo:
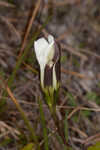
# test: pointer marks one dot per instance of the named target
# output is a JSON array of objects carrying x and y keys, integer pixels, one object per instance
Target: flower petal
[{"x": 40, "y": 49}]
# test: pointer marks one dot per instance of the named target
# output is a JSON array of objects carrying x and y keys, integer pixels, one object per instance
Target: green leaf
[
  {"x": 29, "y": 146},
  {"x": 11, "y": 1},
  {"x": 86, "y": 113},
  {"x": 5, "y": 142},
  {"x": 45, "y": 134},
  {"x": 66, "y": 126},
  {"x": 63, "y": 59},
  {"x": 60, "y": 140},
  {"x": 95, "y": 147},
  {"x": 76, "y": 63},
  {"x": 93, "y": 96},
  {"x": 71, "y": 98}
]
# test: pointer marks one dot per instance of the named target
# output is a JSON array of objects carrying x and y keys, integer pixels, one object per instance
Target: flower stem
[
  {"x": 52, "y": 107},
  {"x": 46, "y": 145}
]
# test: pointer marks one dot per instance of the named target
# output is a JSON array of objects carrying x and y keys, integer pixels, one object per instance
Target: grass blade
[{"x": 44, "y": 126}]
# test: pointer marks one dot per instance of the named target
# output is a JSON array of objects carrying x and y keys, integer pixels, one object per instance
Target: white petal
[
  {"x": 51, "y": 39},
  {"x": 42, "y": 77},
  {"x": 50, "y": 52},
  {"x": 51, "y": 48},
  {"x": 54, "y": 78},
  {"x": 40, "y": 44},
  {"x": 44, "y": 50},
  {"x": 40, "y": 47}
]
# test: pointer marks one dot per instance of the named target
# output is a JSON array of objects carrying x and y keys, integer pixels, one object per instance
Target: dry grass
[{"x": 75, "y": 25}]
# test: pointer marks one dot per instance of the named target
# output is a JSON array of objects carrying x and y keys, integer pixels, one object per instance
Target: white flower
[{"x": 45, "y": 51}]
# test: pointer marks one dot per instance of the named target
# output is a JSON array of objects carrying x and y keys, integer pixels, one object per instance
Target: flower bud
[{"x": 48, "y": 55}]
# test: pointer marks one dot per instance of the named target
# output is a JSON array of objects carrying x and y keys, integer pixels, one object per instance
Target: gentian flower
[{"x": 48, "y": 57}]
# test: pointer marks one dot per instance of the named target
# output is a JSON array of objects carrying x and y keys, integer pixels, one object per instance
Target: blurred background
[{"x": 75, "y": 24}]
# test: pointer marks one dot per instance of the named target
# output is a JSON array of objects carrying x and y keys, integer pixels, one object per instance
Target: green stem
[
  {"x": 52, "y": 107},
  {"x": 44, "y": 126}
]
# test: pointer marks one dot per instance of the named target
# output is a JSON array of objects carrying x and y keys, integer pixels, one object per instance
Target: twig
[
  {"x": 91, "y": 138},
  {"x": 29, "y": 26},
  {"x": 5, "y": 4},
  {"x": 75, "y": 74},
  {"x": 72, "y": 50}
]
